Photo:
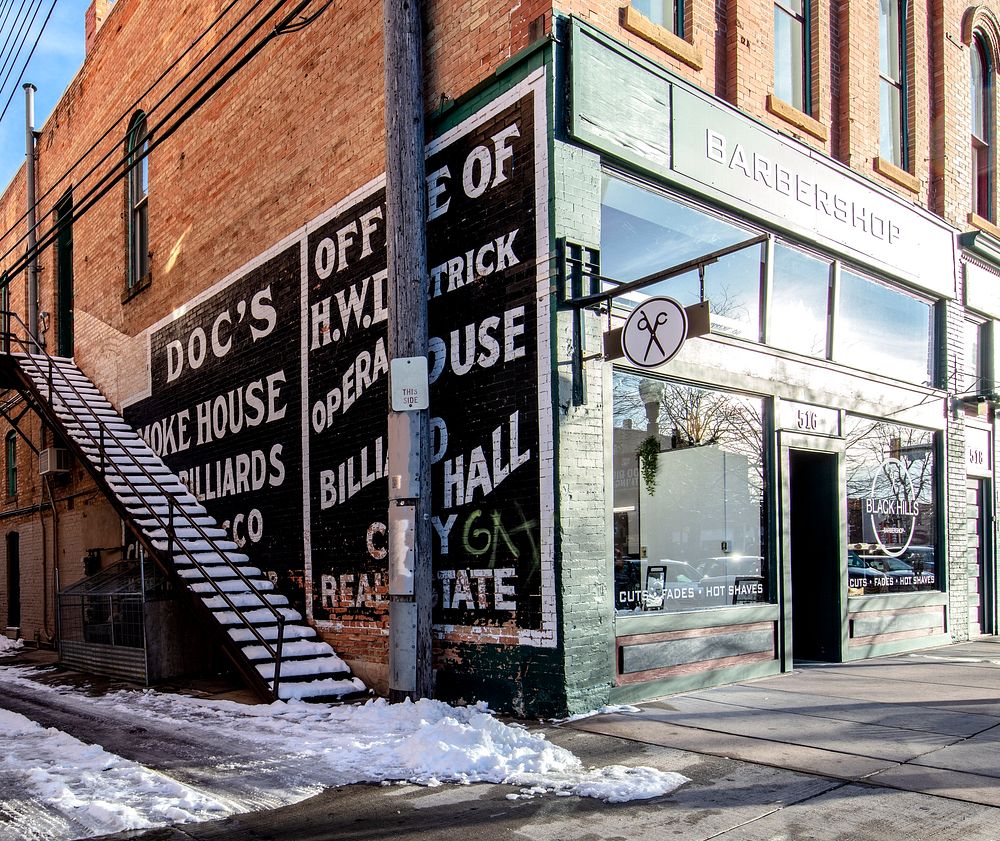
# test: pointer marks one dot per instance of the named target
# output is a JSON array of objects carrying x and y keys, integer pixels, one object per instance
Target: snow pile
[
  {"x": 96, "y": 790},
  {"x": 308, "y": 746},
  {"x": 9, "y": 646}
]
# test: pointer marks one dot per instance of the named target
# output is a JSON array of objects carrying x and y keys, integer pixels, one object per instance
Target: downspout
[{"x": 29, "y": 176}]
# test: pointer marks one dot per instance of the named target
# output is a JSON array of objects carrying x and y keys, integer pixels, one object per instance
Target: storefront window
[
  {"x": 799, "y": 303},
  {"x": 689, "y": 498},
  {"x": 891, "y": 509},
  {"x": 884, "y": 330},
  {"x": 643, "y": 232}
]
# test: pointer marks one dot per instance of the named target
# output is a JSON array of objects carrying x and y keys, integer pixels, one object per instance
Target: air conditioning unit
[{"x": 53, "y": 460}]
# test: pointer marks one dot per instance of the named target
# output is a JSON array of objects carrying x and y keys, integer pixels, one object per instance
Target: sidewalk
[
  {"x": 925, "y": 722},
  {"x": 903, "y": 747}
]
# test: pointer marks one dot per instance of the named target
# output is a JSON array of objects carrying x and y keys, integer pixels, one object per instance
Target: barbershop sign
[{"x": 801, "y": 190}]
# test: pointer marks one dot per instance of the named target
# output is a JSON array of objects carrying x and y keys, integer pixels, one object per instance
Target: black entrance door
[{"x": 814, "y": 529}]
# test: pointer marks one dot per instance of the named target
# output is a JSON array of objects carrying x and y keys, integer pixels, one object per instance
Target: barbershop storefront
[{"x": 778, "y": 488}]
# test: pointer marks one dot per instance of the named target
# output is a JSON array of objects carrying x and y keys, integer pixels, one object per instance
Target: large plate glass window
[
  {"x": 643, "y": 232},
  {"x": 884, "y": 330},
  {"x": 690, "y": 506},
  {"x": 891, "y": 508},
  {"x": 799, "y": 304}
]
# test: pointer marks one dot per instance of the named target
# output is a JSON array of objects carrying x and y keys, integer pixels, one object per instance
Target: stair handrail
[{"x": 34, "y": 353}]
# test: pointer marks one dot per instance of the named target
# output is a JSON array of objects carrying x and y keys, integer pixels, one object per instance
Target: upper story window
[
  {"x": 791, "y": 52},
  {"x": 892, "y": 83},
  {"x": 10, "y": 452},
  {"x": 666, "y": 13},
  {"x": 981, "y": 100},
  {"x": 137, "y": 195}
]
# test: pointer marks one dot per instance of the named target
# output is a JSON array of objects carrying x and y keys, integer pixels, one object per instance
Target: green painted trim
[
  {"x": 866, "y": 652},
  {"x": 899, "y": 601},
  {"x": 982, "y": 245},
  {"x": 702, "y": 680},
  {"x": 663, "y": 623},
  {"x": 452, "y": 112}
]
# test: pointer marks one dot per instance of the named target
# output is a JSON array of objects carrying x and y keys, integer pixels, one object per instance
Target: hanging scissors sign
[{"x": 654, "y": 332}]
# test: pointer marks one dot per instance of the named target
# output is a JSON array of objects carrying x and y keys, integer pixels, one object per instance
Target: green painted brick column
[{"x": 583, "y": 466}]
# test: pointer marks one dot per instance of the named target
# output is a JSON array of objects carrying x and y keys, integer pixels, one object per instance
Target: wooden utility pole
[{"x": 409, "y": 431}]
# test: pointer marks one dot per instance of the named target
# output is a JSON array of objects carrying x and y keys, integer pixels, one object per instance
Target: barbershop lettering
[{"x": 773, "y": 176}]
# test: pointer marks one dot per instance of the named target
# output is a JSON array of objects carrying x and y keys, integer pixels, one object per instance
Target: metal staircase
[{"x": 268, "y": 641}]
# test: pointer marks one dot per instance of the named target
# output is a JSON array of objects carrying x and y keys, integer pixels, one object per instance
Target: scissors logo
[{"x": 654, "y": 332}]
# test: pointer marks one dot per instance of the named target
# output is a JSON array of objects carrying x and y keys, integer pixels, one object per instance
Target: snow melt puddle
[{"x": 427, "y": 742}]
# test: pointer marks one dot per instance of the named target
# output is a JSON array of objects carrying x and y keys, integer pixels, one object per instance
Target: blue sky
[{"x": 57, "y": 58}]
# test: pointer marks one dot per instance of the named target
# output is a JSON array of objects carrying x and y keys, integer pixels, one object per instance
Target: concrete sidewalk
[
  {"x": 903, "y": 747},
  {"x": 925, "y": 722}
]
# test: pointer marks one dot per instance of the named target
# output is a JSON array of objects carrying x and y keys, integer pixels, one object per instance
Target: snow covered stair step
[
  {"x": 330, "y": 666},
  {"x": 270, "y": 633},
  {"x": 220, "y": 571},
  {"x": 212, "y": 558},
  {"x": 327, "y": 688},
  {"x": 187, "y": 533},
  {"x": 290, "y": 651},
  {"x": 242, "y": 600},
  {"x": 258, "y": 618},
  {"x": 229, "y": 585}
]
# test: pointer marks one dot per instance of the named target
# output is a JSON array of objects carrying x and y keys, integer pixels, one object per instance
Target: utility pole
[
  {"x": 29, "y": 177},
  {"x": 410, "y": 572}
]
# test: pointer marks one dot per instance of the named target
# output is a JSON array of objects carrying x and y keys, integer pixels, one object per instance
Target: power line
[
  {"x": 8, "y": 59},
  {"x": 161, "y": 132},
  {"x": 127, "y": 112},
  {"x": 27, "y": 61}
]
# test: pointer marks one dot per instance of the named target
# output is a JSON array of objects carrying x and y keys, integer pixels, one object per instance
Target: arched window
[
  {"x": 136, "y": 198},
  {"x": 981, "y": 98}
]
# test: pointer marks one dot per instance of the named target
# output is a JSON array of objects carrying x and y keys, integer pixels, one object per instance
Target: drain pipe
[{"x": 29, "y": 175}]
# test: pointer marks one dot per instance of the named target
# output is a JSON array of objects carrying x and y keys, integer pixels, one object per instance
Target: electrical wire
[
  {"x": 127, "y": 113},
  {"x": 162, "y": 131},
  {"x": 10, "y": 58},
  {"x": 27, "y": 61}
]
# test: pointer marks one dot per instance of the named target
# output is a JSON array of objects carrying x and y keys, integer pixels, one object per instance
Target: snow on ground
[
  {"x": 9, "y": 646},
  {"x": 96, "y": 790},
  {"x": 427, "y": 742}
]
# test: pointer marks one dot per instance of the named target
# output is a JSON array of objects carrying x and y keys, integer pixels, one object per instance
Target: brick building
[{"x": 805, "y": 474}]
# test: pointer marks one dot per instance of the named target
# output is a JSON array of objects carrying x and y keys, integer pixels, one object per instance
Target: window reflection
[
  {"x": 643, "y": 232},
  {"x": 884, "y": 330},
  {"x": 800, "y": 294},
  {"x": 891, "y": 508},
  {"x": 690, "y": 534}
]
